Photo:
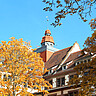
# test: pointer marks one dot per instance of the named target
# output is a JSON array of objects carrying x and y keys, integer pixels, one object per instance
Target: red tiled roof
[
  {"x": 56, "y": 58},
  {"x": 73, "y": 56}
]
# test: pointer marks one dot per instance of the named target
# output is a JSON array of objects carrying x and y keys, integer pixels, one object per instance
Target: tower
[{"x": 47, "y": 46}]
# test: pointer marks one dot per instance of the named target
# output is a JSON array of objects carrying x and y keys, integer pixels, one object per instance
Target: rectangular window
[
  {"x": 64, "y": 67},
  {"x": 88, "y": 60},
  {"x": 77, "y": 63},
  {"x": 58, "y": 82},
  {"x": 4, "y": 77},
  {"x": 73, "y": 93},
  {"x": 85, "y": 61},
  {"x": 71, "y": 76},
  {"x": 63, "y": 81},
  {"x": 50, "y": 82}
]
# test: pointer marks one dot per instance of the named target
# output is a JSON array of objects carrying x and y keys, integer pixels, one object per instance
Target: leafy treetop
[
  {"x": 21, "y": 70},
  {"x": 64, "y": 7}
]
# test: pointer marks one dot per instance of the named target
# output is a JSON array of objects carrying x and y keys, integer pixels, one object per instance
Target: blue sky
[{"x": 26, "y": 19}]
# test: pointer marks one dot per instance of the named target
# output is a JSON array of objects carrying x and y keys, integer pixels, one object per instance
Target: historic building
[{"x": 60, "y": 64}]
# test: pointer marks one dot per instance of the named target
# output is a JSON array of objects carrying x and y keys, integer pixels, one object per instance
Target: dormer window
[
  {"x": 88, "y": 60},
  {"x": 50, "y": 82},
  {"x": 77, "y": 63},
  {"x": 64, "y": 67},
  {"x": 50, "y": 71},
  {"x": 85, "y": 61},
  {"x": 81, "y": 61}
]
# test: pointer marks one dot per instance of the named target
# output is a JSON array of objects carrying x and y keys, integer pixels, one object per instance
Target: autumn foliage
[
  {"x": 21, "y": 69},
  {"x": 62, "y": 8},
  {"x": 85, "y": 77}
]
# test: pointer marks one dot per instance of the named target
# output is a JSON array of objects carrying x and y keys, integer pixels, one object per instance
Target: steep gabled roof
[
  {"x": 73, "y": 56},
  {"x": 57, "y": 57}
]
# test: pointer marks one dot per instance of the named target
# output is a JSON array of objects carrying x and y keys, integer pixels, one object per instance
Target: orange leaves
[
  {"x": 93, "y": 23},
  {"x": 91, "y": 0},
  {"x": 3, "y": 42},
  {"x": 21, "y": 66}
]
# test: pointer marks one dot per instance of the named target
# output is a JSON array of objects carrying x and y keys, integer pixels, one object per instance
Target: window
[
  {"x": 5, "y": 77},
  {"x": 64, "y": 67},
  {"x": 85, "y": 61},
  {"x": 45, "y": 88},
  {"x": 9, "y": 78},
  {"x": 77, "y": 63},
  {"x": 73, "y": 93},
  {"x": 58, "y": 82},
  {"x": 81, "y": 61},
  {"x": 25, "y": 84},
  {"x": 71, "y": 76},
  {"x": 50, "y": 82},
  {"x": 88, "y": 60},
  {"x": 50, "y": 71},
  {"x": 63, "y": 81},
  {"x": 74, "y": 64},
  {"x": 59, "y": 69}
]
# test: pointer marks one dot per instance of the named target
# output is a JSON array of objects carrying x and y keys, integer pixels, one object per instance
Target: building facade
[{"x": 60, "y": 64}]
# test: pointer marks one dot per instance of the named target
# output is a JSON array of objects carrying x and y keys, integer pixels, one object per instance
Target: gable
[{"x": 57, "y": 58}]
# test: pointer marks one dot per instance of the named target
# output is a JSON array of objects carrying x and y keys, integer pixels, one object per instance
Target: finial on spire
[{"x": 47, "y": 32}]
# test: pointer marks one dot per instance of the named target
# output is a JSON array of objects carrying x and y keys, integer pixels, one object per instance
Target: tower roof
[
  {"x": 47, "y": 37},
  {"x": 47, "y": 32}
]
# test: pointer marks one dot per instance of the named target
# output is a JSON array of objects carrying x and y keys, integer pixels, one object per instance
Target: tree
[
  {"x": 86, "y": 72},
  {"x": 83, "y": 8},
  {"x": 64, "y": 7},
  {"x": 21, "y": 69}
]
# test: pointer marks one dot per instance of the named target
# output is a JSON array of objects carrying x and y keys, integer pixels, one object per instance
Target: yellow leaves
[
  {"x": 1, "y": 64},
  {"x": 45, "y": 91},
  {"x": 23, "y": 64},
  {"x": 45, "y": 70},
  {"x": 12, "y": 38},
  {"x": 18, "y": 88}
]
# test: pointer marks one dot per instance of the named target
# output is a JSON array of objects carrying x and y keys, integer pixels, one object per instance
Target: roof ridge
[
  {"x": 63, "y": 49},
  {"x": 58, "y": 51},
  {"x": 76, "y": 52}
]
